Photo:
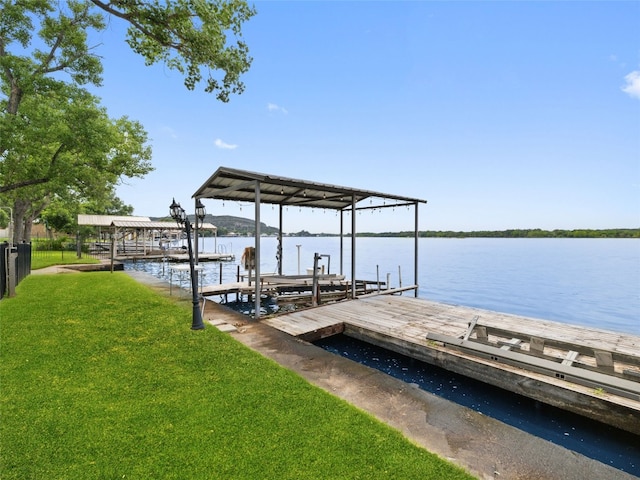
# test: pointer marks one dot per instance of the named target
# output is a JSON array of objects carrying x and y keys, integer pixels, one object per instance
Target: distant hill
[{"x": 229, "y": 225}]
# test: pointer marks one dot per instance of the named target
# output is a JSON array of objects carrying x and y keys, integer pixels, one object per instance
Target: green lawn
[{"x": 102, "y": 378}]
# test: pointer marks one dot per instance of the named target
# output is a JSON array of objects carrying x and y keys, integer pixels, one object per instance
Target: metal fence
[{"x": 15, "y": 264}]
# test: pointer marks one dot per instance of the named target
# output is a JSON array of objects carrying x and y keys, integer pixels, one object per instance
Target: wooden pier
[
  {"x": 591, "y": 372},
  {"x": 202, "y": 257},
  {"x": 294, "y": 288},
  {"x": 174, "y": 255}
]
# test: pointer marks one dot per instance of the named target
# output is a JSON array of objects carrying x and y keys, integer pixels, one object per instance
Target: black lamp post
[{"x": 180, "y": 216}]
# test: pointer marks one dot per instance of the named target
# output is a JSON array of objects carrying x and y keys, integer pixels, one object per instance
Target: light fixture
[
  {"x": 201, "y": 212},
  {"x": 180, "y": 216},
  {"x": 175, "y": 211}
]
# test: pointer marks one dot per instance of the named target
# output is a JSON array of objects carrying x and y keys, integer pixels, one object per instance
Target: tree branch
[{"x": 26, "y": 183}]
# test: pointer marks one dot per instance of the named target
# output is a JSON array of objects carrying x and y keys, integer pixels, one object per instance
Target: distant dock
[
  {"x": 594, "y": 373},
  {"x": 202, "y": 257},
  {"x": 173, "y": 255}
]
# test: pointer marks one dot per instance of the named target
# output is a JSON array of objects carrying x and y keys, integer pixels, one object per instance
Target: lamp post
[
  {"x": 180, "y": 216},
  {"x": 200, "y": 213}
]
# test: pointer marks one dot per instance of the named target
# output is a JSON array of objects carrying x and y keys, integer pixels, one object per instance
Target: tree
[
  {"x": 55, "y": 141},
  {"x": 68, "y": 142},
  {"x": 189, "y": 36}
]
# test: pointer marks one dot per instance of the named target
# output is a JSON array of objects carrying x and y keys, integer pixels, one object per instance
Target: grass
[
  {"x": 45, "y": 258},
  {"x": 102, "y": 378}
]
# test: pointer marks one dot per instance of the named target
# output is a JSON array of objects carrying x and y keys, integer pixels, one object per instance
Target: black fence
[{"x": 15, "y": 264}]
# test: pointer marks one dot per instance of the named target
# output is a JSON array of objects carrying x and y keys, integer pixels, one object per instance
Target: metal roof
[
  {"x": 147, "y": 225},
  {"x": 240, "y": 185},
  {"x": 105, "y": 220}
]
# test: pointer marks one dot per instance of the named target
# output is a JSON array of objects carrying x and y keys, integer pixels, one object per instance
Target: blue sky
[{"x": 499, "y": 114}]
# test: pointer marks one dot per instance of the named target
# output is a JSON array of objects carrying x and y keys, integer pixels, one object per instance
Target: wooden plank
[
  {"x": 472, "y": 325},
  {"x": 513, "y": 343},
  {"x": 561, "y": 371},
  {"x": 481, "y": 334},
  {"x": 404, "y": 324},
  {"x": 571, "y": 357},
  {"x": 536, "y": 346},
  {"x": 603, "y": 359},
  {"x": 632, "y": 373},
  {"x": 557, "y": 337}
]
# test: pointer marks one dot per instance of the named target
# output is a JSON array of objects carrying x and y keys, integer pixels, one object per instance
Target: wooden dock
[
  {"x": 293, "y": 288},
  {"x": 175, "y": 255},
  {"x": 202, "y": 257},
  {"x": 591, "y": 372}
]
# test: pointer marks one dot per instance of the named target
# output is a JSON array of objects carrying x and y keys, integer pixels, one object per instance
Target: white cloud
[
  {"x": 169, "y": 132},
  {"x": 225, "y": 146},
  {"x": 272, "y": 107},
  {"x": 632, "y": 88}
]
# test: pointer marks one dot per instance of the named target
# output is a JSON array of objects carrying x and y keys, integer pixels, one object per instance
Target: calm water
[{"x": 591, "y": 282}]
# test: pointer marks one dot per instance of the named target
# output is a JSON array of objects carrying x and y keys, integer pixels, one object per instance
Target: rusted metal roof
[{"x": 240, "y": 185}]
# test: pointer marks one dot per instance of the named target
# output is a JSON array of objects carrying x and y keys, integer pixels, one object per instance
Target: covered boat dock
[
  {"x": 137, "y": 237},
  {"x": 244, "y": 186}
]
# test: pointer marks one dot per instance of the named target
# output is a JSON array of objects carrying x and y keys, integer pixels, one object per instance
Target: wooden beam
[
  {"x": 612, "y": 384},
  {"x": 570, "y": 358},
  {"x": 472, "y": 325}
]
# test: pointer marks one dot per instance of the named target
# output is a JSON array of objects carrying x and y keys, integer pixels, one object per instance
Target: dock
[
  {"x": 173, "y": 255},
  {"x": 594, "y": 373},
  {"x": 202, "y": 257},
  {"x": 298, "y": 289}
]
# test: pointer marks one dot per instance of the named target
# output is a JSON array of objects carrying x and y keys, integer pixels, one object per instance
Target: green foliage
[
  {"x": 5, "y": 218},
  {"x": 55, "y": 244},
  {"x": 192, "y": 38},
  {"x": 520, "y": 233},
  {"x": 63, "y": 150},
  {"x": 228, "y": 224},
  {"x": 103, "y": 378},
  {"x": 56, "y": 142}
]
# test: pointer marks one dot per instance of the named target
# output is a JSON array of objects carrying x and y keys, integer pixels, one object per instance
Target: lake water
[{"x": 591, "y": 282}]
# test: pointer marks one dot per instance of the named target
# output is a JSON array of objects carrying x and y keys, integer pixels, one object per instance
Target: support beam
[
  {"x": 256, "y": 314},
  {"x": 353, "y": 246},
  {"x": 279, "y": 247},
  {"x": 415, "y": 255}
]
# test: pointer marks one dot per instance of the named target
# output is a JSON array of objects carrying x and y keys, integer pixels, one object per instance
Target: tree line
[
  {"x": 61, "y": 153},
  {"x": 517, "y": 233}
]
